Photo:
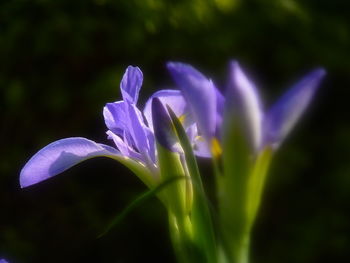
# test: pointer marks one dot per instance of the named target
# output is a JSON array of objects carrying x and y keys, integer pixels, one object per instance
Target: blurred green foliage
[{"x": 61, "y": 61}]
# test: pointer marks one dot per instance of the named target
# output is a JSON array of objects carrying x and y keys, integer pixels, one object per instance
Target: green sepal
[
  {"x": 239, "y": 188},
  {"x": 176, "y": 201},
  {"x": 232, "y": 191},
  {"x": 149, "y": 178},
  {"x": 256, "y": 183},
  {"x": 203, "y": 231},
  {"x": 170, "y": 166}
]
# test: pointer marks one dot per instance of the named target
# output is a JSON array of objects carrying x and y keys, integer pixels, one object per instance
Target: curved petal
[
  {"x": 287, "y": 110},
  {"x": 200, "y": 95},
  {"x": 246, "y": 101},
  {"x": 115, "y": 117},
  {"x": 136, "y": 128},
  {"x": 200, "y": 147},
  {"x": 59, "y": 156},
  {"x": 123, "y": 147},
  {"x": 174, "y": 99},
  {"x": 63, "y": 154},
  {"x": 131, "y": 84}
]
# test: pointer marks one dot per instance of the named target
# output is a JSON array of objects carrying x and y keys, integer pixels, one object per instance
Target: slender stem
[{"x": 181, "y": 237}]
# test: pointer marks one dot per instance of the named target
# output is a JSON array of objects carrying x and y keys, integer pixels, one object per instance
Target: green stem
[
  {"x": 181, "y": 237},
  {"x": 241, "y": 253}
]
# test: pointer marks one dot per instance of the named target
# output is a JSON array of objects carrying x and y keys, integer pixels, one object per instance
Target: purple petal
[
  {"x": 115, "y": 117},
  {"x": 163, "y": 129},
  {"x": 200, "y": 147},
  {"x": 123, "y": 147},
  {"x": 220, "y": 102},
  {"x": 246, "y": 102},
  {"x": 284, "y": 114},
  {"x": 131, "y": 84},
  {"x": 174, "y": 99},
  {"x": 59, "y": 156},
  {"x": 137, "y": 129},
  {"x": 200, "y": 95}
]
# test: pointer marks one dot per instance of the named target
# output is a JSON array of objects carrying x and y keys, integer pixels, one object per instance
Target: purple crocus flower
[
  {"x": 270, "y": 128},
  {"x": 264, "y": 129},
  {"x": 132, "y": 134}
]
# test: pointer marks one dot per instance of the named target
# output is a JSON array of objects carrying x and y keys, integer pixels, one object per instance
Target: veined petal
[
  {"x": 246, "y": 101},
  {"x": 174, "y": 99},
  {"x": 124, "y": 148},
  {"x": 115, "y": 117},
  {"x": 284, "y": 114},
  {"x": 131, "y": 84},
  {"x": 200, "y": 95},
  {"x": 137, "y": 129},
  {"x": 61, "y": 155}
]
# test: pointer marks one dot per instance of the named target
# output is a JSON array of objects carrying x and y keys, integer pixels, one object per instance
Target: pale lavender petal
[
  {"x": 137, "y": 129},
  {"x": 3, "y": 261},
  {"x": 61, "y": 155},
  {"x": 131, "y": 84},
  {"x": 200, "y": 147},
  {"x": 200, "y": 95},
  {"x": 284, "y": 114},
  {"x": 115, "y": 117},
  {"x": 246, "y": 102},
  {"x": 123, "y": 147},
  {"x": 152, "y": 145},
  {"x": 172, "y": 98}
]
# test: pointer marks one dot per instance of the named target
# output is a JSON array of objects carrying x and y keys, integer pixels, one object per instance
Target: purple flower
[
  {"x": 207, "y": 104},
  {"x": 204, "y": 99},
  {"x": 270, "y": 128},
  {"x": 132, "y": 134}
]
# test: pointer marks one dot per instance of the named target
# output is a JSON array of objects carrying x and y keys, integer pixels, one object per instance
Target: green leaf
[
  {"x": 140, "y": 200},
  {"x": 203, "y": 232}
]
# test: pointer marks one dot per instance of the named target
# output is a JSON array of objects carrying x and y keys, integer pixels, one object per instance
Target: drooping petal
[
  {"x": 163, "y": 129},
  {"x": 174, "y": 99},
  {"x": 200, "y": 95},
  {"x": 131, "y": 84},
  {"x": 115, "y": 117},
  {"x": 284, "y": 114},
  {"x": 246, "y": 102},
  {"x": 61, "y": 155}
]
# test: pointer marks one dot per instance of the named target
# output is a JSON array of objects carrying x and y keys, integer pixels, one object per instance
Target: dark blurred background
[{"x": 61, "y": 61}]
